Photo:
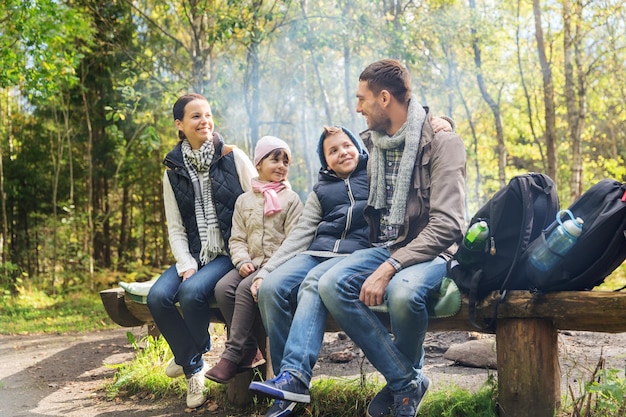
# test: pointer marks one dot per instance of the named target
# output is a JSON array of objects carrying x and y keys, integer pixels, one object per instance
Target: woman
[{"x": 201, "y": 183}]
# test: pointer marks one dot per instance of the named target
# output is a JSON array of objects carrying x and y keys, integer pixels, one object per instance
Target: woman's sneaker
[
  {"x": 280, "y": 408},
  {"x": 195, "y": 388},
  {"x": 284, "y": 387},
  {"x": 174, "y": 370}
]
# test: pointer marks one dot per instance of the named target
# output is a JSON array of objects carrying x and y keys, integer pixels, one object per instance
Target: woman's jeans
[
  {"x": 295, "y": 332},
  {"x": 187, "y": 334},
  {"x": 400, "y": 358}
]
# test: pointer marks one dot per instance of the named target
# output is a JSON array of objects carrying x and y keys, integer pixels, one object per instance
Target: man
[{"x": 416, "y": 212}]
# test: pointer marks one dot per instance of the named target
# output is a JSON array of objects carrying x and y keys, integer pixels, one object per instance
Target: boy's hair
[
  {"x": 331, "y": 130},
  {"x": 390, "y": 75}
]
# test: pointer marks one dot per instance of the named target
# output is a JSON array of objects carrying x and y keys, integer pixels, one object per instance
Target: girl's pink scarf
[{"x": 270, "y": 192}]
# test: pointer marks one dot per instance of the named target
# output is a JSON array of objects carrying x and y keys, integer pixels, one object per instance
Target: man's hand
[
  {"x": 188, "y": 273},
  {"x": 374, "y": 287},
  {"x": 246, "y": 269},
  {"x": 254, "y": 288}
]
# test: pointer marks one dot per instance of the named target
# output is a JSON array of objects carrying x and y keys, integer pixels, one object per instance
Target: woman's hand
[
  {"x": 254, "y": 288},
  {"x": 188, "y": 273}
]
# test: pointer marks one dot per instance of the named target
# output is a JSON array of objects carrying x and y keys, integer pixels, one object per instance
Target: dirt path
[{"x": 62, "y": 375}]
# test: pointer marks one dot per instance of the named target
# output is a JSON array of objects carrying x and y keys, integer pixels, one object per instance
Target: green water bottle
[
  {"x": 477, "y": 236},
  {"x": 473, "y": 243}
]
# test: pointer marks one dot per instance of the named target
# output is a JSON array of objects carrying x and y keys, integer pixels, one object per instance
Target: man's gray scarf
[
  {"x": 197, "y": 164},
  {"x": 409, "y": 135}
]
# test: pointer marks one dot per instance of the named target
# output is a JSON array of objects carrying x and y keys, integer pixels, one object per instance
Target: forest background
[{"x": 86, "y": 90}]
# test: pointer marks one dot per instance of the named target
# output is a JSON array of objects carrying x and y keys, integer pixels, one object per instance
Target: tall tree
[
  {"x": 548, "y": 95},
  {"x": 575, "y": 89},
  {"x": 494, "y": 104}
]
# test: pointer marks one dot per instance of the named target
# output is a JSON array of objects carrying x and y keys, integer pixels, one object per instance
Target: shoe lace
[
  {"x": 282, "y": 379},
  {"x": 404, "y": 408},
  {"x": 194, "y": 385}
]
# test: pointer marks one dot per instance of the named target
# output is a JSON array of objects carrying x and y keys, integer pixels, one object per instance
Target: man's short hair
[{"x": 390, "y": 75}]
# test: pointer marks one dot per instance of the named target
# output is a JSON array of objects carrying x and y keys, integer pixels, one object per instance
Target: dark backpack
[
  {"x": 516, "y": 215},
  {"x": 600, "y": 248}
]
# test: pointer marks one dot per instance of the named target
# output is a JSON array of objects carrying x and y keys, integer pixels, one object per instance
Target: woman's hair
[
  {"x": 390, "y": 75},
  {"x": 179, "y": 107}
]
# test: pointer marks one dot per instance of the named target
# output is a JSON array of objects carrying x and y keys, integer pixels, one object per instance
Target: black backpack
[
  {"x": 599, "y": 250},
  {"x": 516, "y": 215}
]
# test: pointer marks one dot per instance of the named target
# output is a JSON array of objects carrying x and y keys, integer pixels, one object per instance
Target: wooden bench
[{"x": 529, "y": 375}]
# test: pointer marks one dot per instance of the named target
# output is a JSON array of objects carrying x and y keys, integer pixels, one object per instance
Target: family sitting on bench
[{"x": 372, "y": 232}]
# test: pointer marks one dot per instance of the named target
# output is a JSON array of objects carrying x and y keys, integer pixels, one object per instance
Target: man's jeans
[
  {"x": 188, "y": 337},
  {"x": 295, "y": 337},
  {"x": 399, "y": 359}
]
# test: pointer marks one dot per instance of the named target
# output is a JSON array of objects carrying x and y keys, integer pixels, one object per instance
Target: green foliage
[
  {"x": 34, "y": 311},
  {"x": 609, "y": 391},
  {"x": 603, "y": 395},
  {"x": 41, "y": 44}
]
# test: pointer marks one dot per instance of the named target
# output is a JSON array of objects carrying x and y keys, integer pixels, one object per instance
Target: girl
[{"x": 262, "y": 219}]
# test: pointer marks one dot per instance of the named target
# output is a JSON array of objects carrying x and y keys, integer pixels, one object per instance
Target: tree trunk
[
  {"x": 347, "y": 81},
  {"x": 493, "y": 104},
  {"x": 575, "y": 89},
  {"x": 548, "y": 95},
  {"x": 4, "y": 237},
  {"x": 529, "y": 107},
  {"x": 252, "y": 85},
  {"x": 316, "y": 70},
  {"x": 89, "y": 236}
]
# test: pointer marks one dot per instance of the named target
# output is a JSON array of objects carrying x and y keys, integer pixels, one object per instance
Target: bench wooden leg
[
  {"x": 528, "y": 368},
  {"x": 237, "y": 391}
]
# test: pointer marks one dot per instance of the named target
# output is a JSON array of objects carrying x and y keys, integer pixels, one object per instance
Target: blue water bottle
[{"x": 545, "y": 256}]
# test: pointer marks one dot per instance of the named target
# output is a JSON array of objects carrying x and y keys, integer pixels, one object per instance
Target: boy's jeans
[{"x": 295, "y": 337}]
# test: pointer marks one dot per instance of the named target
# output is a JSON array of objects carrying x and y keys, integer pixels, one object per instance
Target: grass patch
[
  {"x": 145, "y": 374},
  {"x": 454, "y": 401},
  {"x": 34, "y": 311},
  {"x": 145, "y": 377},
  {"x": 339, "y": 397}
]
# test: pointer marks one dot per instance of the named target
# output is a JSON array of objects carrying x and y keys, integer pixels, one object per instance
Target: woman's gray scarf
[
  {"x": 409, "y": 135},
  {"x": 197, "y": 164}
]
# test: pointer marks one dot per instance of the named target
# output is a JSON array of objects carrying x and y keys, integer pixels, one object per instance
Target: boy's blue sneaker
[
  {"x": 284, "y": 387},
  {"x": 280, "y": 408},
  {"x": 381, "y": 404},
  {"x": 406, "y": 404}
]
